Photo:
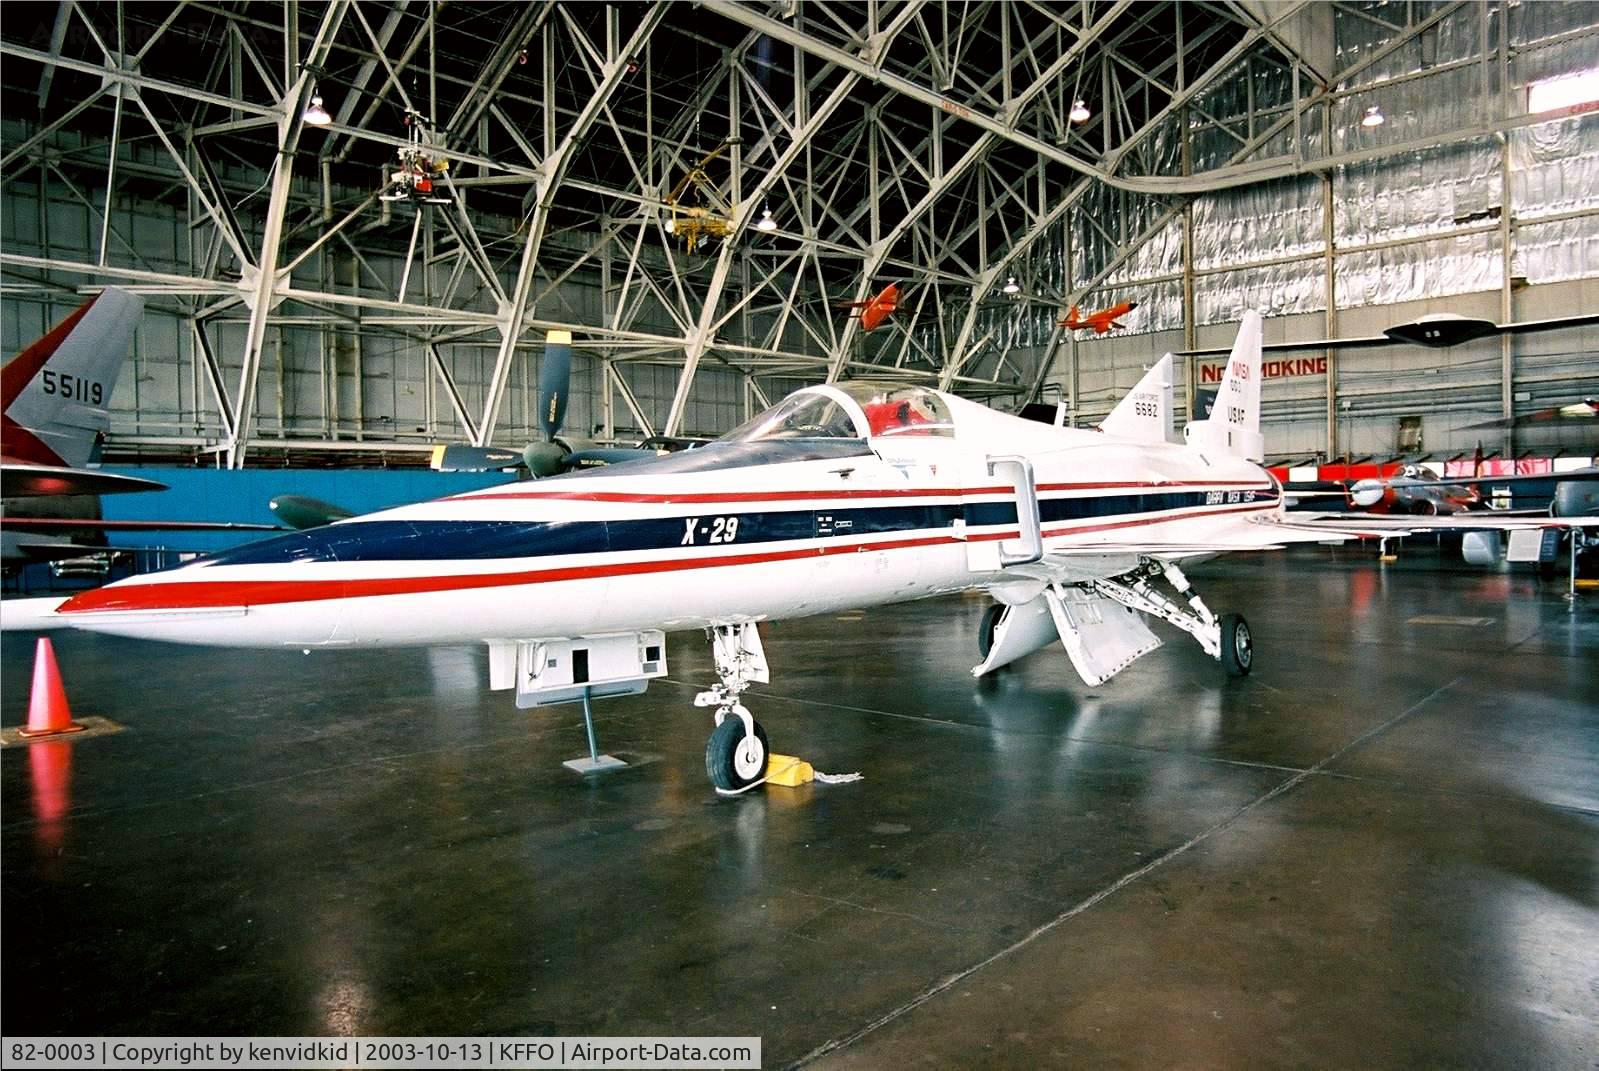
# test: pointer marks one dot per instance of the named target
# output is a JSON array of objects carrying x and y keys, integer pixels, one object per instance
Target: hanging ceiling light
[
  {"x": 1373, "y": 117},
  {"x": 766, "y": 222},
  {"x": 315, "y": 114},
  {"x": 1079, "y": 113},
  {"x": 1010, "y": 286}
]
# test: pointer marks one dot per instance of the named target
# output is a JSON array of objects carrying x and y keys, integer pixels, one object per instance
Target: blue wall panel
[{"x": 242, "y": 496}]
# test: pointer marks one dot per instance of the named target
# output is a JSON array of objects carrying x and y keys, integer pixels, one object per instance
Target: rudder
[{"x": 1234, "y": 423}]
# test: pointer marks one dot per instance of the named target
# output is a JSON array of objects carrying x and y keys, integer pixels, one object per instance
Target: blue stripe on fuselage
[{"x": 468, "y": 540}]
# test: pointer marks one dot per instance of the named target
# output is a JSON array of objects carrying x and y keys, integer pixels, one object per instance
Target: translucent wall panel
[
  {"x": 1275, "y": 290},
  {"x": 1264, "y": 221},
  {"x": 1161, "y": 255},
  {"x": 1555, "y": 166},
  {"x": 1418, "y": 270},
  {"x": 1564, "y": 249},
  {"x": 1417, "y": 193}
]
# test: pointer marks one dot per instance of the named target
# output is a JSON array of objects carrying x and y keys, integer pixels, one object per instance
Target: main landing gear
[
  {"x": 735, "y": 755},
  {"x": 1226, "y": 638}
]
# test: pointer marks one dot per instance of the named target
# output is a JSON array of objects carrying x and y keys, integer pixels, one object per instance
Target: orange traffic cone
[{"x": 48, "y": 713}]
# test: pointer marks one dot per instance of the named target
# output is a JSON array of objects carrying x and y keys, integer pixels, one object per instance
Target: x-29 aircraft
[{"x": 844, "y": 495}]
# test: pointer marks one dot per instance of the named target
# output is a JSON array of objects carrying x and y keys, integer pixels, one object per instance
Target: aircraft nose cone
[{"x": 1366, "y": 493}]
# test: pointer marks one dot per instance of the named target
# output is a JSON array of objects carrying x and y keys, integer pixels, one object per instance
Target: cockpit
[{"x": 858, "y": 410}]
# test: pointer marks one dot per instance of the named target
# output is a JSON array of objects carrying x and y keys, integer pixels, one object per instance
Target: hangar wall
[
  {"x": 1504, "y": 227},
  {"x": 1446, "y": 388},
  {"x": 1430, "y": 229}
]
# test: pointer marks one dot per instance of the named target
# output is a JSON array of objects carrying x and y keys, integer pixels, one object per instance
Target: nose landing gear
[{"x": 736, "y": 753}]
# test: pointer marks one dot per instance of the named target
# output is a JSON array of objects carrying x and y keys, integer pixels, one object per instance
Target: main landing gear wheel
[
  {"x": 989, "y": 625},
  {"x": 1237, "y": 646},
  {"x": 734, "y": 760}
]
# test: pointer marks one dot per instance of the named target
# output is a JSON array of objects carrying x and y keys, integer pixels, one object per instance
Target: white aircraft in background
[{"x": 841, "y": 496}]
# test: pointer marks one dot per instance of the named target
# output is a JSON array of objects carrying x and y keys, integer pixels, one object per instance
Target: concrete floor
[{"x": 1380, "y": 850}]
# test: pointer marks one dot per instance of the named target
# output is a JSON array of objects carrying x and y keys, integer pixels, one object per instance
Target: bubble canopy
[{"x": 850, "y": 411}]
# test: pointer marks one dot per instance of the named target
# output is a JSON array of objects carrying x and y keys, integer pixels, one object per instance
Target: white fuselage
[{"x": 648, "y": 546}]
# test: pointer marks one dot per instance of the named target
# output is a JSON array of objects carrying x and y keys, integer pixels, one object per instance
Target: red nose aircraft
[{"x": 1101, "y": 321}]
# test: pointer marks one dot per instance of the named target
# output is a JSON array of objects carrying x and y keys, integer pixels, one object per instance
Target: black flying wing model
[{"x": 1437, "y": 331}]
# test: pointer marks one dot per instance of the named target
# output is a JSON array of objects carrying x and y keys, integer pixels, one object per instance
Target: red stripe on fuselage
[{"x": 209, "y": 594}]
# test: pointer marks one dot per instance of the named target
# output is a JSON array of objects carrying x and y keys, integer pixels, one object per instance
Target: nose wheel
[{"x": 735, "y": 756}]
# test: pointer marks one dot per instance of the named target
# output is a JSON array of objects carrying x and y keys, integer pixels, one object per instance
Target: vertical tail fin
[
  {"x": 57, "y": 392},
  {"x": 1234, "y": 423},
  {"x": 1144, "y": 415}
]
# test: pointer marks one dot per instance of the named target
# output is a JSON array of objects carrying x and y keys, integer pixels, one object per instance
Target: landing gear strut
[
  {"x": 1226, "y": 638},
  {"x": 735, "y": 755}
]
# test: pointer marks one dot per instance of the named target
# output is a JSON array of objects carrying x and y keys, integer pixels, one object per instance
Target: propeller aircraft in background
[{"x": 555, "y": 453}]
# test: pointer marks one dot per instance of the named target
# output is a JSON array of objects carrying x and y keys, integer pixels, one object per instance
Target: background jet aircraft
[
  {"x": 1577, "y": 414},
  {"x": 56, "y": 396}
]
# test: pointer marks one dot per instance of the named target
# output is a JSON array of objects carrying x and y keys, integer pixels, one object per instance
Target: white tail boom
[
  {"x": 1144, "y": 415},
  {"x": 1234, "y": 424}
]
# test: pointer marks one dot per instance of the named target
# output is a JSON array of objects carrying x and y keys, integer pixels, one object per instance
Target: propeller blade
[{"x": 555, "y": 376}]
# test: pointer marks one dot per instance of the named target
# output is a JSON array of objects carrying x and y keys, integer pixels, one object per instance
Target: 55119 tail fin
[{"x": 57, "y": 392}]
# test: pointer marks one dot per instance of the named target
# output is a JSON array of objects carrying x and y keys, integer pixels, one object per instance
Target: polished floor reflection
[{"x": 1382, "y": 849}]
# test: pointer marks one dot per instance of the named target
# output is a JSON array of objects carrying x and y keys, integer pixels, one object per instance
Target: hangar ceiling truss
[{"x": 929, "y": 143}]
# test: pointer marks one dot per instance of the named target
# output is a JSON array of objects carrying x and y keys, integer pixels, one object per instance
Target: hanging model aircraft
[
  {"x": 56, "y": 395},
  {"x": 841, "y": 496},
  {"x": 875, "y": 309},
  {"x": 1436, "y": 331},
  {"x": 420, "y": 171},
  {"x": 1102, "y": 321}
]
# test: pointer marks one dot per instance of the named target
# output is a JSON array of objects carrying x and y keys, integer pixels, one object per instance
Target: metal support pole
[
  {"x": 595, "y": 763},
  {"x": 588, "y": 723}
]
